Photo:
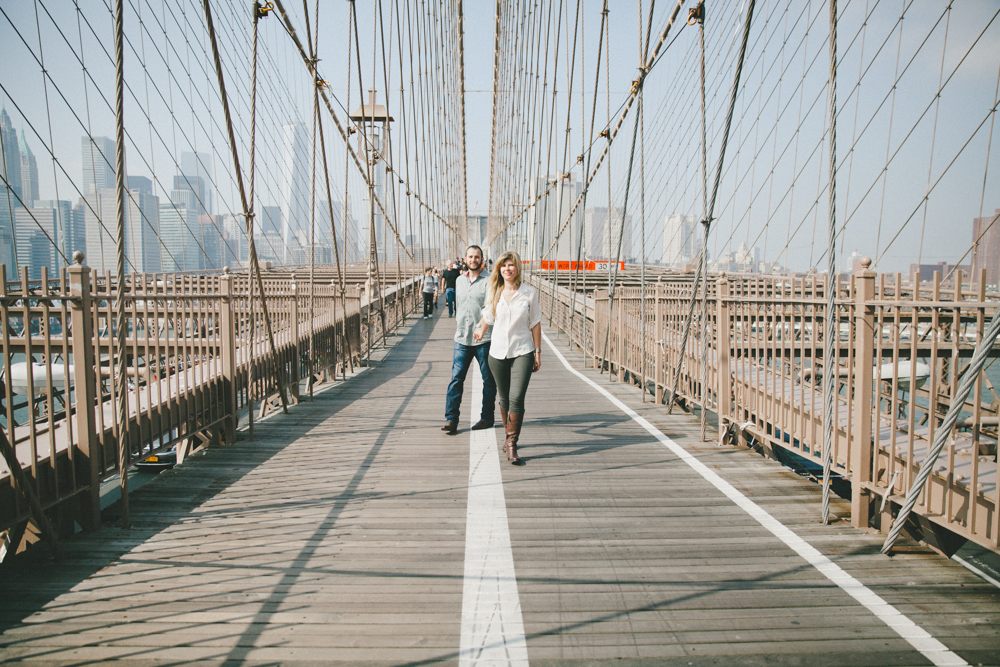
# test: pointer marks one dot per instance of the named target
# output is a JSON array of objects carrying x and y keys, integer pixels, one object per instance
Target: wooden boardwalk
[{"x": 340, "y": 535}]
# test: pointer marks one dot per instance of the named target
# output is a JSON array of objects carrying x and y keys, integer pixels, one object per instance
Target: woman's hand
[
  {"x": 538, "y": 362},
  {"x": 477, "y": 333}
]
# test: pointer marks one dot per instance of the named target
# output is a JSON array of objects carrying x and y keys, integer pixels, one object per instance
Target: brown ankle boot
[{"x": 513, "y": 431}]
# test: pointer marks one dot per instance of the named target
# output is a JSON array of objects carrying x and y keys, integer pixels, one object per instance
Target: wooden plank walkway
[{"x": 339, "y": 535}]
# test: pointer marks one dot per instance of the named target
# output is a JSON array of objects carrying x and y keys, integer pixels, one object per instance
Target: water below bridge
[{"x": 353, "y": 530}]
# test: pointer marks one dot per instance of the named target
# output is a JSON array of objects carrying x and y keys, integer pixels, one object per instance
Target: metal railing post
[
  {"x": 722, "y": 332},
  {"x": 85, "y": 382},
  {"x": 227, "y": 348},
  {"x": 293, "y": 314},
  {"x": 659, "y": 340},
  {"x": 862, "y": 403}
]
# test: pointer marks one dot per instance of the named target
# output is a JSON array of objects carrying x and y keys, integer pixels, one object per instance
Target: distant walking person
[
  {"x": 450, "y": 275},
  {"x": 516, "y": 348},
  {"x": 470, "y": 291},
  {"x": 428, "y": 292}
]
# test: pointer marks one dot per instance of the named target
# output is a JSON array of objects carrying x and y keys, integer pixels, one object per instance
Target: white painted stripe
[
  {"x": 492, "y": 629},
  {"x": 920, "y": 639}
]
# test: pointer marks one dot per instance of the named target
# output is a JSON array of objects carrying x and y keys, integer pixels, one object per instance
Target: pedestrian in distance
[
  {"x": 437, "y": 287},
  {"x": 516, "y": 346},
  {"x": 450, "y": 275},
  {"x": 470, "y": 294},
  {"x": 427, "y": 291}
]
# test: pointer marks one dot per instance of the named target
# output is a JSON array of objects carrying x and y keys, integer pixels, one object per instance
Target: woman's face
[{"x": 508, "y": 270}]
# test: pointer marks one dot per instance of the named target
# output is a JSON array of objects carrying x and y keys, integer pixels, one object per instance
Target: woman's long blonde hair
[{"x": 496, "y": 278}]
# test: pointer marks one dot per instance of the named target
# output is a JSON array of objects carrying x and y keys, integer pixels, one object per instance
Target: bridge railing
[
  {"x": 197, "y": 351},
  {"x": 900, "y": 351}
]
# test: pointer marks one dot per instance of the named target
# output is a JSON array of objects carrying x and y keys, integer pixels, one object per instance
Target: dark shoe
[
  {"x": 451, "y": 428},
  {"x": 513, "y": 432},
  {"x": 482, "y": 424}
]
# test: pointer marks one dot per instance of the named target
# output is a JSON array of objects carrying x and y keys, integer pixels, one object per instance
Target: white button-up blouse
[{"x": 513, "y": 323}]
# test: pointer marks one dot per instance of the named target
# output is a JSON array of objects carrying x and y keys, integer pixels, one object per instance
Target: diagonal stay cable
[
  {"x": 643, "y": 72},
  {"x": 707, "y": 222},
  {"x": 254, "y": 263}
]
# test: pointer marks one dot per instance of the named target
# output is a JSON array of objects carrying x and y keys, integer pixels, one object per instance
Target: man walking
[
  {"x": 470, "y": 289},
  {"x": 450, "y": 275}
]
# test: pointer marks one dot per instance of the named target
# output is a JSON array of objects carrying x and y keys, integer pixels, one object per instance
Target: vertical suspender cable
[
  {"x": 121, "y": 383},
  {"x": 642, "y": 210},
  {"x": 586, "y": 170},
  {"x": 247, "y": 210},
  {"x": 312, "y": 190},
  {"x": 830, "y": 364},
  {"x": 707, "y": 222},
  {"x": 613, "y": 132},
  {"x": 461, "y": 103}
]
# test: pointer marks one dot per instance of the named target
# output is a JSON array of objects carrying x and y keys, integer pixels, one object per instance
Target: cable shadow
[{"x": 31, "y": 581}]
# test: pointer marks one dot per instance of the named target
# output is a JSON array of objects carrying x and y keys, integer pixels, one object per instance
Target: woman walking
[{"x": 516, "y": 348}]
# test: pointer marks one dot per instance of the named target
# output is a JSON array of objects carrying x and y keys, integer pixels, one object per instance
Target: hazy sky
[{"x": 914, "y": 167}]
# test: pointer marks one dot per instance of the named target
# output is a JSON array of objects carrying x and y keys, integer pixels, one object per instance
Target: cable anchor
[
  {"x": 606, "y": 133},
  {"x": 696, "y": 14},
  {"x": 263, "y": 10}
]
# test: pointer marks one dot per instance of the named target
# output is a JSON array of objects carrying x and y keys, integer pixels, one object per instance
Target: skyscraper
[
  {"x": 600, "y": 239},
  {"x": 98, "y": 164},
  {"x": 681, "y": 240},
  {"x": 142, "y": 249},
  {"x": 10, "y": 187},
  {"x": 294, "y": 185},
  {"x": 29, "y": 172},
  {"x": 986, "y": 253},
  {"x": 547, "y": 216},
  {"x": 179, "y": 231}
]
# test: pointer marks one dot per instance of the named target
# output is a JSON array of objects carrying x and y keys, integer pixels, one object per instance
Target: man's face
[{"x": 473, "y": 258}]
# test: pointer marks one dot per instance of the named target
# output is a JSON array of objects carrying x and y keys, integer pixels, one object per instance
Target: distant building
[
  {"x": 294, "y": 186},
  {"x": 179, "y": 231},
  {"x": 681, "y": 240},
  {"x": 98, "y": 164},
  {"x": 142, "y": 249},
  {"x": 69, "y": 227},
  {"x": 601, "y": 238},
  {"x": 269, "y": 220},
  {"x": 986, "y": 252},
  {"x": 742, "y": 260},
  {"x": 545, "y": 219},
  {"x": 29, "y": 172},
  {"x": 10, "y": 189},
  {"x": 926, "y": 271}
]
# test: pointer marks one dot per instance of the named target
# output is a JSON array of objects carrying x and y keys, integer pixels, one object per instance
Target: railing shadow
[{"x": 31, "y": 581}]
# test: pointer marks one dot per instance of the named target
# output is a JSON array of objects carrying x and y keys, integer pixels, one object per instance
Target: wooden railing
[
  {"x": 197, "y": 355},
  {"x": 900, "y": 352}
]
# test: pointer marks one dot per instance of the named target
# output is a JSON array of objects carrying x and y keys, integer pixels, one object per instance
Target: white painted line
[
  {"x": 918, "y": 638},
  {"x": 492, "y": 629}
]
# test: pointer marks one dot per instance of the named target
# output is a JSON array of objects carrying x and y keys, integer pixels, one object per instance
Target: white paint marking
[
  {"x": 920, "y": 639},
  {"x": 492, "y": 629}
]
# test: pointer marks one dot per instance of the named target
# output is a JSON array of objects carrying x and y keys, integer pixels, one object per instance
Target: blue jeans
[
  {"x": 464, "y": 354},
  {"x": 449, "y": 298}
]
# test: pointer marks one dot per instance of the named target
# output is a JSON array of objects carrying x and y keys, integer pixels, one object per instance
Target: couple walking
[{"x": 499, "y": 324}]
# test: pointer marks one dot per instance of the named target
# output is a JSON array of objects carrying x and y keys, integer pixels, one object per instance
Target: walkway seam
[
  {"x": 492, "y": 627},
  {"x": 917, "y": 637}
]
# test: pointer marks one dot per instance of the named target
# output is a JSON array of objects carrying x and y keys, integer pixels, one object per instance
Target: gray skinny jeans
[{"x": 512, "y": 377}]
